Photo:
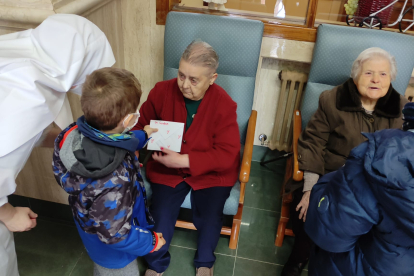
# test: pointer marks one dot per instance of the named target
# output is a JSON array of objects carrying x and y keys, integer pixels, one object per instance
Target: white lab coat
[
  {"x": 37, "y": 68},
  {"x": 8, "y": 260}
]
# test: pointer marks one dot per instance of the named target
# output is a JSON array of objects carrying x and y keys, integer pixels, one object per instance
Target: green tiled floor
[{"x": 54, "y": 248}]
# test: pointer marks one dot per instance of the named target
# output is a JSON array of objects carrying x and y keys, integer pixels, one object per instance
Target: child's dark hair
[{"x": 108, "y": 95}]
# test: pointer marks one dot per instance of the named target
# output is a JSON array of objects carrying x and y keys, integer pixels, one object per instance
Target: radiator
[{"x": 290, "y": 98}]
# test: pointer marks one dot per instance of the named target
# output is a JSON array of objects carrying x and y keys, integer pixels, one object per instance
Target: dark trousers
[
  {"x": 207, "y": 208},
  {"x": 303, "y": 244}
]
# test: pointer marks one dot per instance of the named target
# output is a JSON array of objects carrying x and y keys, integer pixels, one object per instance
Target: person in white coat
[{"x": 37, "y": 67}]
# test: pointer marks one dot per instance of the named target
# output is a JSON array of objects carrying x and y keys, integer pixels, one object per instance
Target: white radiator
[{"x": 290, "y": 98}]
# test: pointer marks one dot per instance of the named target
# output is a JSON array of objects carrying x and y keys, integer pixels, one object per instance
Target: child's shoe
[
  {"x": 204, "y": 271},
  {"x": 151, "y": 272}
]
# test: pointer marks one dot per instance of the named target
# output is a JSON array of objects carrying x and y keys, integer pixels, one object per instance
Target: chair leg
[
  {"x": 280, "y": 235},
  {"x": 286, "y": 200},
  {"x": 284, "y": 218},
  {"x": 235, "y": 229}
]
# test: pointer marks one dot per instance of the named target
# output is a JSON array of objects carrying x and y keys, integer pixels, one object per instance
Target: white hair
[
  {"x": 372, "y": 53},
  {"x": 201, "y": 53}
]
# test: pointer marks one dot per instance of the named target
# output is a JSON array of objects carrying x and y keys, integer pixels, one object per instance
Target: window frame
[{"x": 272, "y": 28}]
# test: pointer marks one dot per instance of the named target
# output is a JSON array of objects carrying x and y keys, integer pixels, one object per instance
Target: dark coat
[
  {"x": 337, "y": 124},
  {"x": 361, "y": 216}
]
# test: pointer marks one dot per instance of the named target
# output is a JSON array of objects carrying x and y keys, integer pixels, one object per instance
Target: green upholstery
[
  {"x": 237, "y": 42},
  {"x": 336, "y": 49}
]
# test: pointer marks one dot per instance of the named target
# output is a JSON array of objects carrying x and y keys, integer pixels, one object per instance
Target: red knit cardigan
[{"x": 212, "y": 141}]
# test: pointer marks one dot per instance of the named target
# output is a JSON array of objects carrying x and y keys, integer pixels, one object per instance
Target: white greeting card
[{"x": 169, "y": 135}]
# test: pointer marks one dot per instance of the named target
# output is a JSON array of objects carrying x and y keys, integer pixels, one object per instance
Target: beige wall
[
  {"x": 144, "y": 42},
  {"x": 137, "y": 43}
]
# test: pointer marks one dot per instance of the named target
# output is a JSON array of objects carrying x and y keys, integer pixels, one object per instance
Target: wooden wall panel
[{"x": 144, "y": 43}]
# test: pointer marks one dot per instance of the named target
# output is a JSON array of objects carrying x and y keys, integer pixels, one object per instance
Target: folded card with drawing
[{"x": 169, "y": 135}]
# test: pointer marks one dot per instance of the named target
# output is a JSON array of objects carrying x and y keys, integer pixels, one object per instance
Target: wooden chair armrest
[
  {"x": 248, "y": 148},
  {"x": 247, "y": 155},
  {"x": 297, "y": 128}
]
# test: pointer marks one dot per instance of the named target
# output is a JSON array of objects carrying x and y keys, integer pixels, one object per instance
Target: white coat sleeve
[{"x": 10, "y": 166}]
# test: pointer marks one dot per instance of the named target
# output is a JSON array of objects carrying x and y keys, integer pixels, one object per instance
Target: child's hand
[
  {"x": 150, "y": 130},
  {"x": 161, "y": 242}
]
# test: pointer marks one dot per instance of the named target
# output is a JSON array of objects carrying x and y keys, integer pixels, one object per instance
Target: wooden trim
[
  {"x": 242, "y": 192},
  {"x": 247, "y": 156},
  {"x": 285, "y": 210},
  {"x": 280, "y": 233},
  {"x": 272, "y": 27},
  {"x": 162, "y": 10},
  {"x": 297, "y": 128},
  {"x": 173, "y": 3},
  {"x": 311, "y": 13},
  {"x": 248, "y": 149},
  {"x": 290, "y": 32},
  {"x": 289, "y": 232},
  {"x": 264, "y": 19},
  {"x": 188, "y": 225},
  {"x": 235, "y": 229},
  {"x": 288, "y": 174},
  {"x": 163, "y": 7}
]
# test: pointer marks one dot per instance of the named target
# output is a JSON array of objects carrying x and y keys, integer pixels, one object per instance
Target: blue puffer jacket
[
  {"x": 361, "y": 217},
  {"x": 107, "y": 196}
]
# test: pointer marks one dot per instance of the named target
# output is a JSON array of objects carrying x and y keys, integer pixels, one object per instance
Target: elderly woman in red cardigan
[{"x": 209, "y": 159}]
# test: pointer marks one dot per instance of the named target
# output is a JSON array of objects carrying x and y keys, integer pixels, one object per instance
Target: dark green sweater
[{"x": 191, "y": 107}]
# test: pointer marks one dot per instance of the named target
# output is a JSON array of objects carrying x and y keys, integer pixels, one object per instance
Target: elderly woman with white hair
[
  {"x": 366, "y": 102},
  {"x": 208, "y": 163}
]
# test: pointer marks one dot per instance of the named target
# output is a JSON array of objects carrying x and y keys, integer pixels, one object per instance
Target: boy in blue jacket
[
  {"x": 361, "y": 216},
  {"x": 94, "y": 162}
]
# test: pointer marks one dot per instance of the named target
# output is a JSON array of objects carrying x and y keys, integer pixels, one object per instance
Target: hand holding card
[
  {"x": 171, "y": 159},
  {"x": 169, "y": 135}
]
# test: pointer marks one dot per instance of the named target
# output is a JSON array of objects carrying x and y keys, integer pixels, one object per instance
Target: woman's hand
[
  {"x": 150, "y": 130},
  {"x": 172, "y": 159},
  {"x": 303, "y": 205}
]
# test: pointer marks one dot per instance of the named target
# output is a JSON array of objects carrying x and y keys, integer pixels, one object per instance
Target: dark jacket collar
[{"x": 348, "y": 99}]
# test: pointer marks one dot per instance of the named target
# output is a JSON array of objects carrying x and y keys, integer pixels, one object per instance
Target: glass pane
[
  {"x": 330, "y": 11},
  {"x": 389, "y": 14},
  {"x": 284, "y": 10}
]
